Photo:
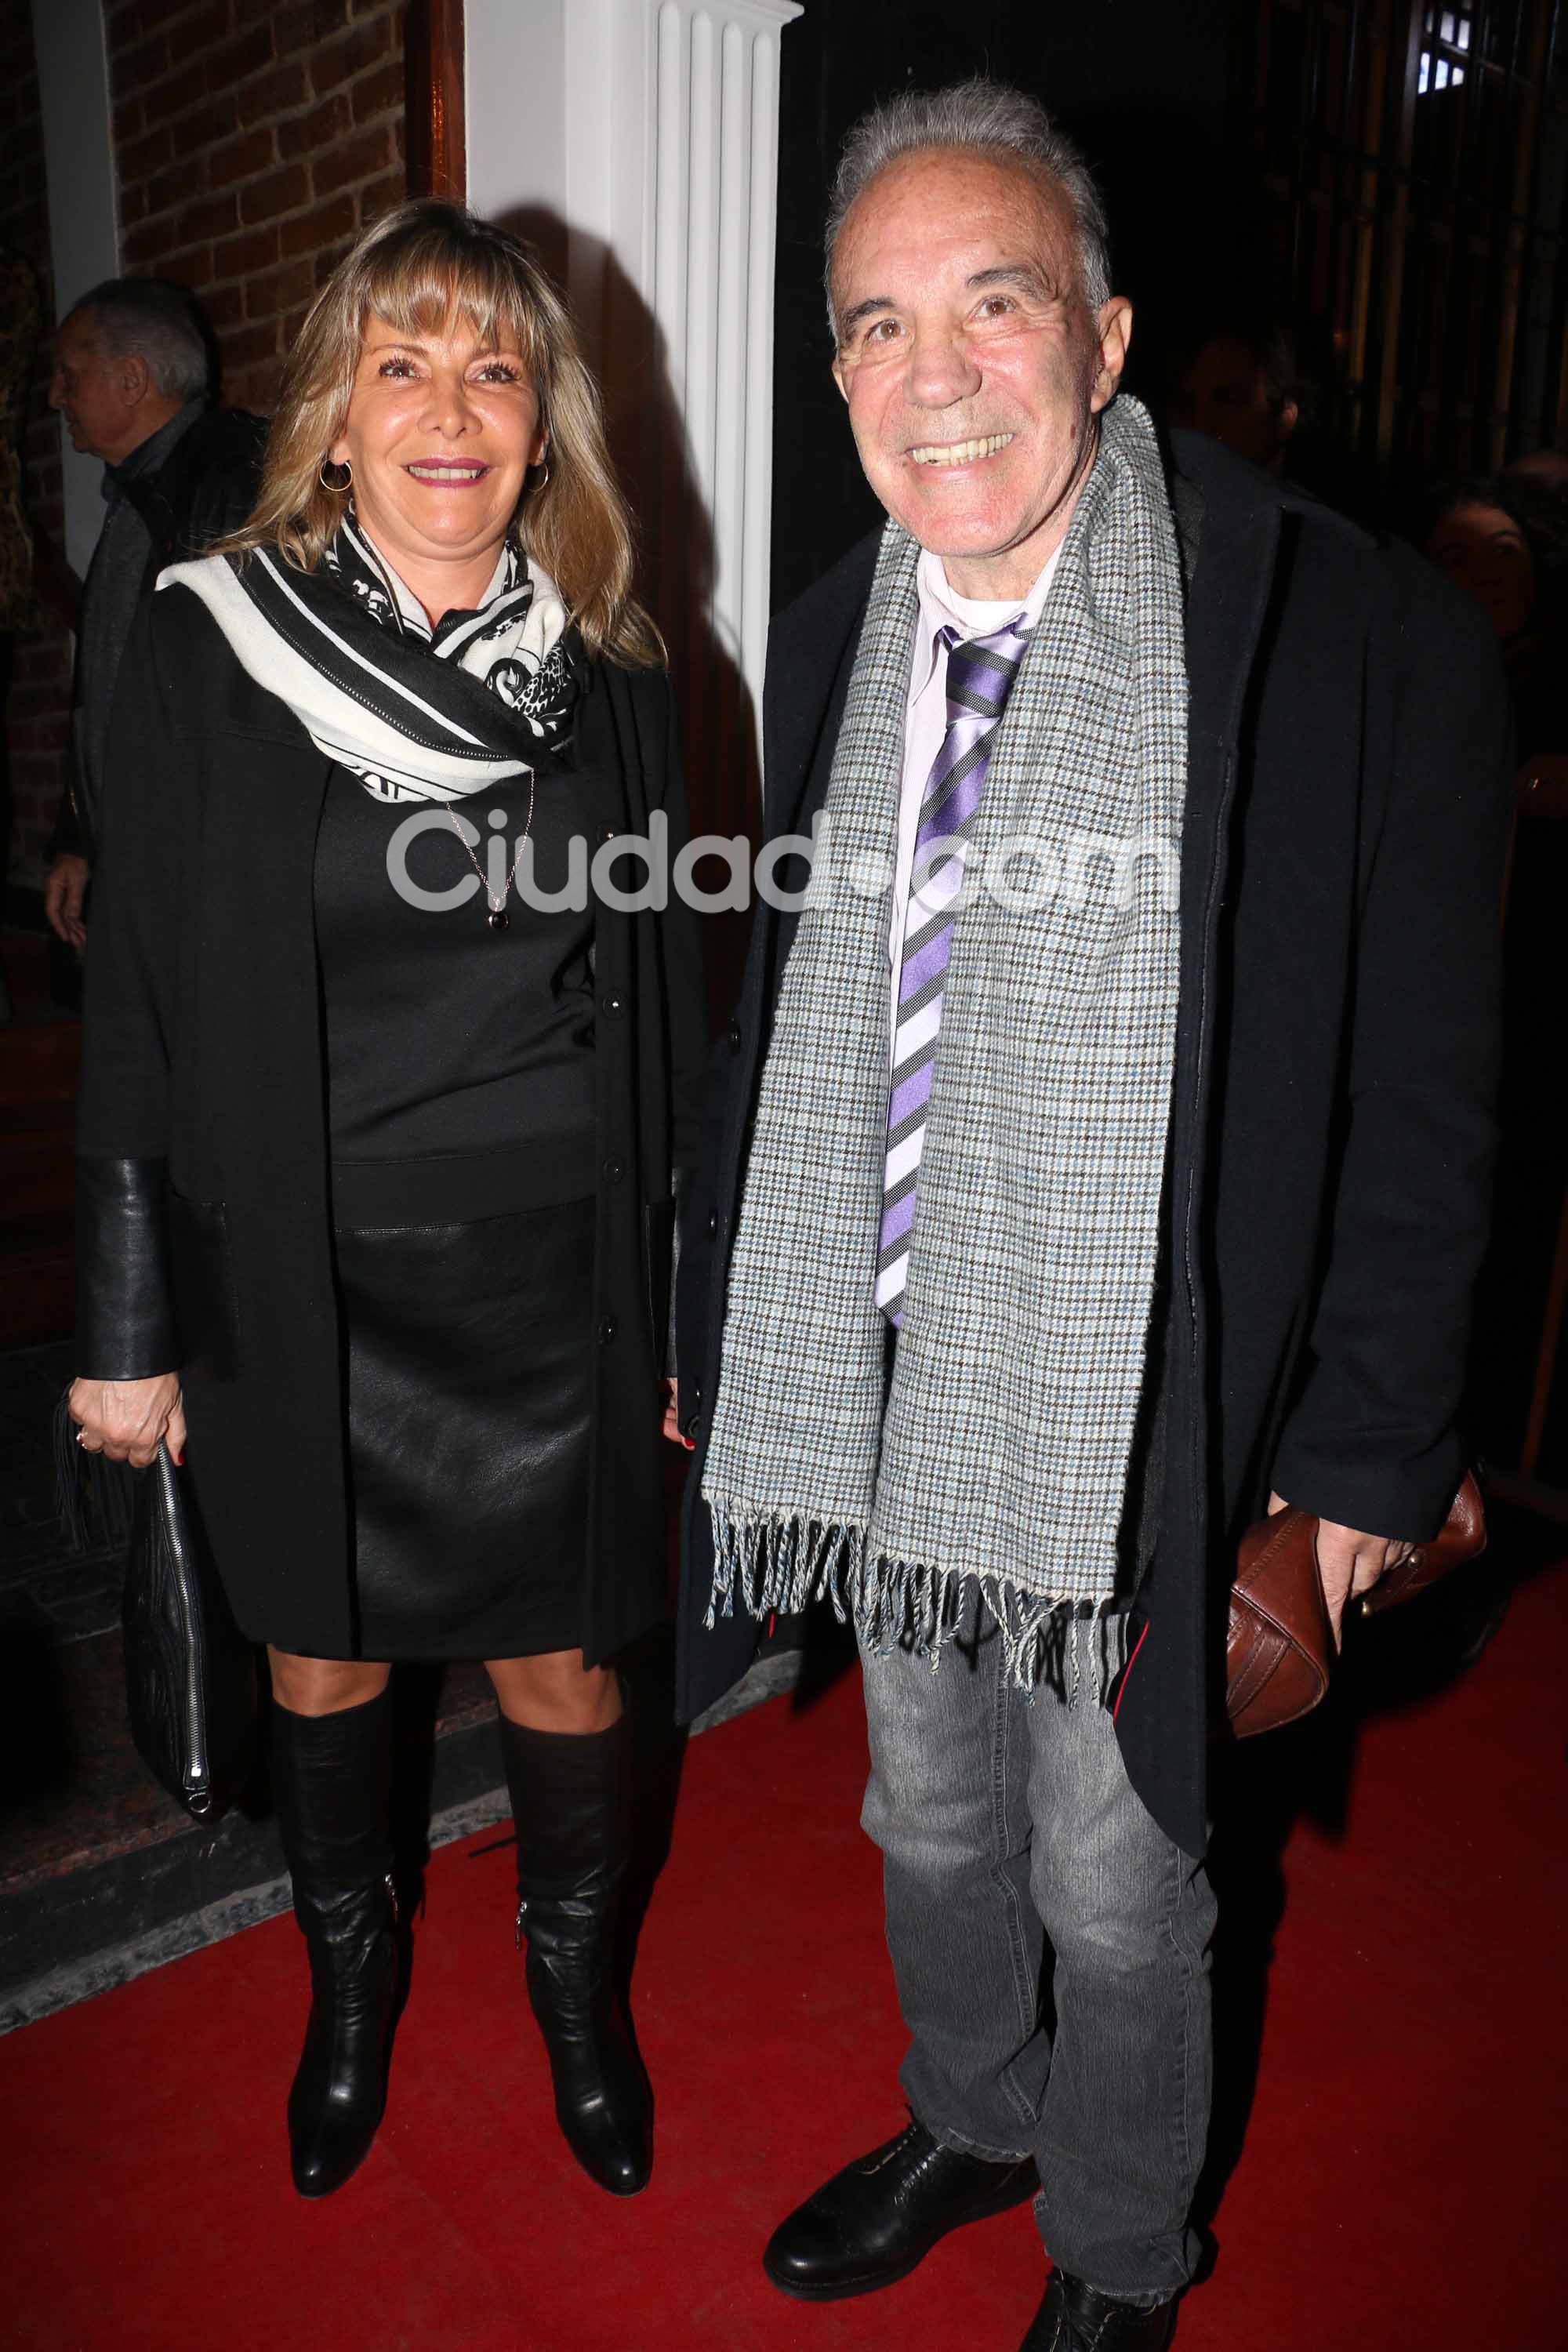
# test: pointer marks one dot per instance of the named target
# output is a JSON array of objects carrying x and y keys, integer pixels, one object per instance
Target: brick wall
[
  {"x": 251, "y": 142},
  {"x": 36, "y": 715},
  {"x": 252, "y": 139}
]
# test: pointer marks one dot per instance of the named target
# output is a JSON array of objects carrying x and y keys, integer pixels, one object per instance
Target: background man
[
  {"x": 1245, "y": 386},
  {"x": 132, "y": 373},
  {"x": 1041, "y": 1232}
]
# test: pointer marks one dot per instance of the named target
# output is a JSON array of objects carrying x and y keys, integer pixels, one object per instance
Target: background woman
[
  {"x": 388, "y": 1177},
  {"x": 1502, "y": 542}
]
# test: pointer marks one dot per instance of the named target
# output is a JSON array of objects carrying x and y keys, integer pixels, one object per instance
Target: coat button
[
  {"x": 613, "y": 1005},
  {"x": 615, "y": 1168},
  {"x": 607, "y": 832},
  {"x": 733, "y": 1034},
  {"x": 606, "y": 1329},
  {"x": 712, "y": 1222},
  {"x": 691, "y": 1426}
]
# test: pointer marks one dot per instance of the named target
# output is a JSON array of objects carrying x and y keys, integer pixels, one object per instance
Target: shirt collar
[
  {"x": 149, "y": 455},
  {"x": 942, "y": 608}
]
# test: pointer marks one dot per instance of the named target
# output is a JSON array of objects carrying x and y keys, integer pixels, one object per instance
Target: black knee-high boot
[
  {"x": 330, "y": 1778},
  {"x": 570, "y": 1800}
]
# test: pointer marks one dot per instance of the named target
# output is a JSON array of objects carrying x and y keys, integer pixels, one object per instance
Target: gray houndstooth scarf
[{"x": 999, "y": 1458}]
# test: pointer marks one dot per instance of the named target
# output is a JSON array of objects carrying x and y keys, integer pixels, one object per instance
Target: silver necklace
[{"x": 498, "y": 919}]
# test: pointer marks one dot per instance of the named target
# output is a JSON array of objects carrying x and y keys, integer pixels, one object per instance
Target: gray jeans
[{"x": 1007, "y": 1828}]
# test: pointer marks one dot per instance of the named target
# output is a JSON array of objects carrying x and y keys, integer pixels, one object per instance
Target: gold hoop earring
[
  {"x": 545, "y": 476},
  {"x": 346, "y": 470}
]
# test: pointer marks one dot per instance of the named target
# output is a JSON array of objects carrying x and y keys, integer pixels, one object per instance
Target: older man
[
  {"x": 1123, "y": 1155},
  {"x": 130, "y": 380}
]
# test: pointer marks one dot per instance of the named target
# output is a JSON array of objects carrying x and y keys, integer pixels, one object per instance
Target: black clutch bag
[{"x": 190, "y": 1674}]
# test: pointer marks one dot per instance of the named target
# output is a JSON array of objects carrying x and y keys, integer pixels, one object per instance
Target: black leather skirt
[{"x": 469, "y": 1391}]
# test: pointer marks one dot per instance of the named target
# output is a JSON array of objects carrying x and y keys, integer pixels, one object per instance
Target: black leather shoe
[
  {"x": 872, "y": 2222},
  {"x": 570, "y": 1800},
  {"x": 1076, "y": 2318},
  {"x": 330, "y": 1780}
]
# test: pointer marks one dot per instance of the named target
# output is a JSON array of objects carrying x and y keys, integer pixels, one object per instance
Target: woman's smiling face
[{"x": 440, "y": 433}]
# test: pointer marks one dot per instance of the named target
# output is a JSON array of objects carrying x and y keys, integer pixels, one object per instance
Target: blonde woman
[{"x": 381, "y": 1111}]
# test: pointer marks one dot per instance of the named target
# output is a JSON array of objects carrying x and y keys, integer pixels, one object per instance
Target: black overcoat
[
  {"x": 204, "y": 489},
  {"x": 1332, "y": 1137},
  {"x": 204, "y": 1093}
]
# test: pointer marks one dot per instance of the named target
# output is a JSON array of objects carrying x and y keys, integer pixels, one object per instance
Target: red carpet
[{"x": 1403, "y": 2184}]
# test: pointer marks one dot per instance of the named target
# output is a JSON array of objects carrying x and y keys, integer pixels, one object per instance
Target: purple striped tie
[{"x": 979, "y": 677}]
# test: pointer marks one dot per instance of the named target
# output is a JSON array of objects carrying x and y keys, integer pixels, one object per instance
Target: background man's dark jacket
[
  {"x": 1332, "y": 1129},
  {"x": 205, "y": 489}
]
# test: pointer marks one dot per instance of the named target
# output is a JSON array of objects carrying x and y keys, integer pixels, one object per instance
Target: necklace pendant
[{"x": 499, "y": 920}]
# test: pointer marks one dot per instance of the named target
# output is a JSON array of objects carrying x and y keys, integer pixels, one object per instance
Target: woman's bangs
[{"x": 428, "y": 286}]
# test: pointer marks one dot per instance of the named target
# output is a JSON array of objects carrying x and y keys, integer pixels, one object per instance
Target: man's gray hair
[
  {"x": 160, "y": 322},
  {"x": 985, "y": 117}
]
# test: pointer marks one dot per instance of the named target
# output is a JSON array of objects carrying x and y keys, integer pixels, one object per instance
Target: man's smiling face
[{"x": 970, "y": 361}]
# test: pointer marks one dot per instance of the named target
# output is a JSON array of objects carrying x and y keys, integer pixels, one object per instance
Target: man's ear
[
  {"x": 838, "y": 377},
  {"x": 135, "y": 378},
  {"x": 1114, "y": 328}
]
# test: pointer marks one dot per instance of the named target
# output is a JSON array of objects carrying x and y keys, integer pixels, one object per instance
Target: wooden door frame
[{"x": 438, "y": 135}]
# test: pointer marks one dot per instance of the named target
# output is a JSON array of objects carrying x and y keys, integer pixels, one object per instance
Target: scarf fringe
[{"x": 775, "y": 1566}]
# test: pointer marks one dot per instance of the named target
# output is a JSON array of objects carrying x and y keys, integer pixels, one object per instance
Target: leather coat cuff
[{"x": 125, "y": 1325}]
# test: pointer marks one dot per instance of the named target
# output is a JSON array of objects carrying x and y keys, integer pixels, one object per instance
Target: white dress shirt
[{"x": 925, "y": 721}]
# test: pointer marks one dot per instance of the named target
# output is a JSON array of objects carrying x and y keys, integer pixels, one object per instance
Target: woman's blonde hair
[{"x": 419, "y": 267}]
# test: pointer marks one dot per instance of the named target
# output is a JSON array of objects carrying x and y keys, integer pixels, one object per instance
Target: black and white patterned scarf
[
  {"x": 415, "y": 713},
  {"x": 997, "y": 1462}
]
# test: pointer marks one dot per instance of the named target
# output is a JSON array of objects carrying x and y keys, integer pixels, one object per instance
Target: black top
[{"x": 460, "y": 1057}]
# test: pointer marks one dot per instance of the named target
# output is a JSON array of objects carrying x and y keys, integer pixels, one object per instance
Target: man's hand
[
  {"x": 1349, "y": 1561},
  {"x": 64, "y": 894},
  {"x": 125, "y": 1419},
  {"x": 671, "y": 1423}
]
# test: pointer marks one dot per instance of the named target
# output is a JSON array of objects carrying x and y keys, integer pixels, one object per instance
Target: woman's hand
[
  {"x": 671, "y": 1425},
  {"x": 125, "y": 1419},
  {"x": 64, "y": 895}
]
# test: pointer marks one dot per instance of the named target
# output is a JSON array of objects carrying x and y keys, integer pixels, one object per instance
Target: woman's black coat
[
  {"x": 1331, "y": 1140},
  {"x": 205, "y": 1237}
]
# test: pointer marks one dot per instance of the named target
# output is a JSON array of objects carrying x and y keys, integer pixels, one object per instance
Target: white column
[
  {"x": 84, "y": 232},
  {"x": 638, "y": 140}
]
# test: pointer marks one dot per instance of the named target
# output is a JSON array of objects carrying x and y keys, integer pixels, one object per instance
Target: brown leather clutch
[{"x": 1278, "y": 1644}]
